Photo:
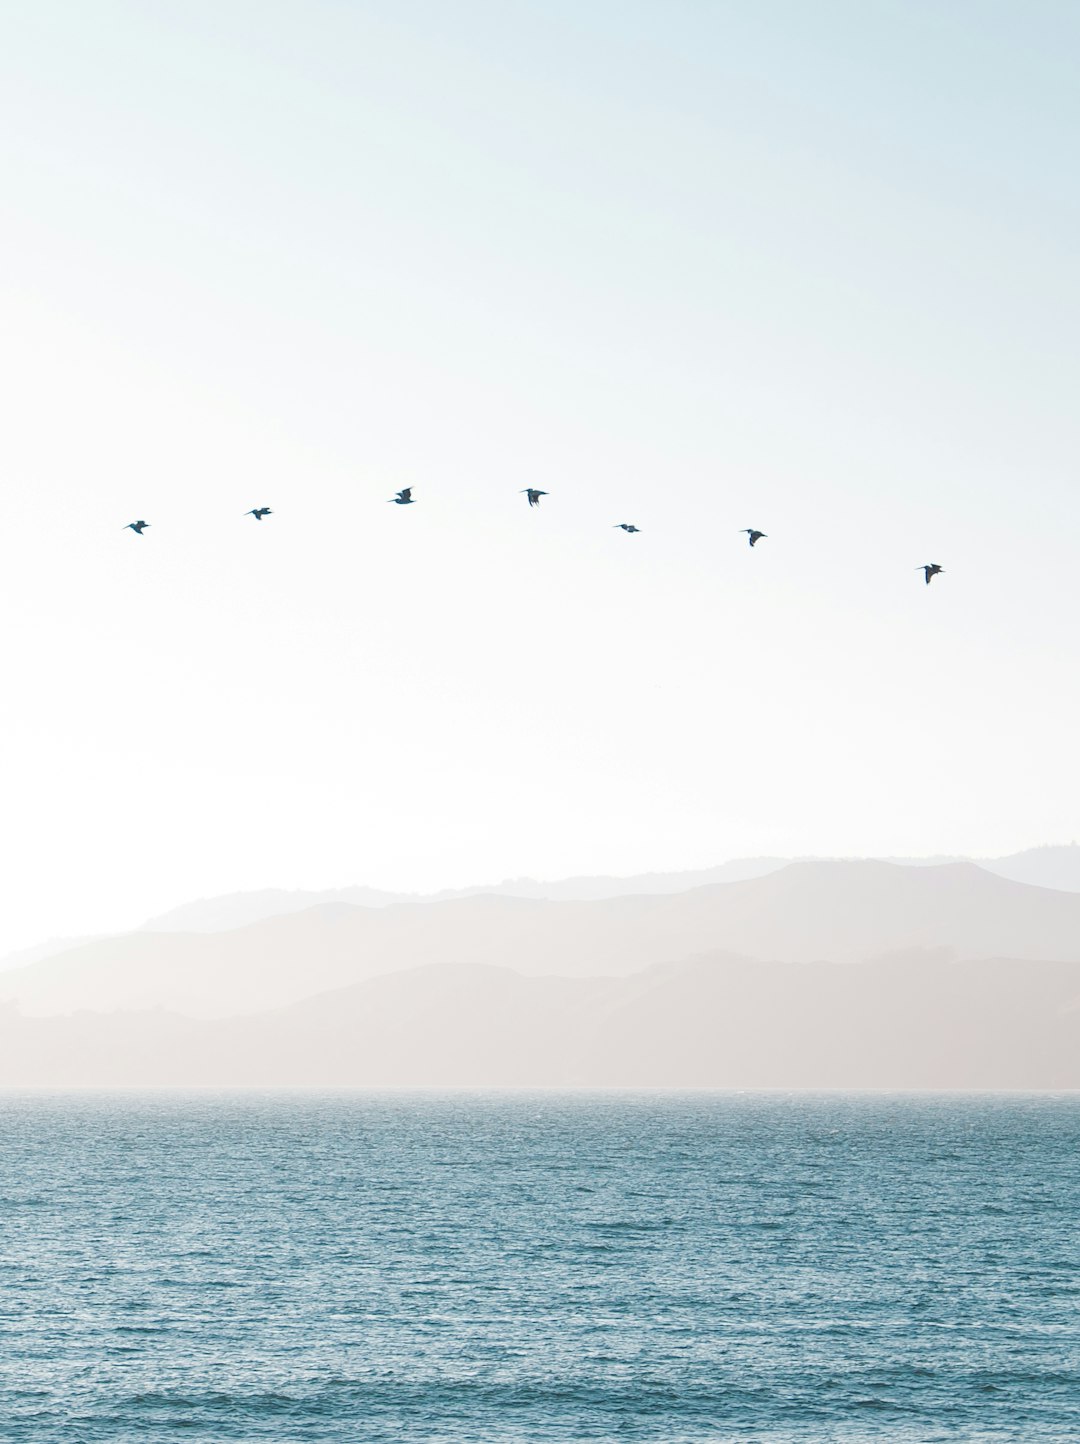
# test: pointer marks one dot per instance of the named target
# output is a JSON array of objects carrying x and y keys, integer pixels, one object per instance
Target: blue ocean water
[{"x": 418, "y": 1267}]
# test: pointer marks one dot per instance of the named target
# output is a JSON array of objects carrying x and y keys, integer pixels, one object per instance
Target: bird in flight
[
  {"x": 403, "y": 498},
  {"x": 755, "y": 536},
  {"x": 259, "y": 512},
  {"x": 930, "y": 571},
  {"x": 138, "y": 527},
  {"x": 625, "y": 526},
  {"x": 533, "y": 495}
]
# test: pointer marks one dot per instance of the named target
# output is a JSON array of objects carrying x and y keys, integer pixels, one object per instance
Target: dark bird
[
  {"x": 533, "y": 495},
  {"x": 259, "y": 512},
  {"x": 403, "y": 498},
  {"x": 755, "y": 536},
  {"x": 138, "y": 527},
  {"x": 930, "y": 571},
  {"x": 625, "y": 526}
]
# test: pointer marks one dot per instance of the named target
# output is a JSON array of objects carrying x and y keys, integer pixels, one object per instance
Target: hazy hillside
[
  {"x": 718, "y": 1021},
  {"x": 1056, "y": 867},
  {"x": 1053, "y": 867},
  {"x": 838, "y": 911},
  {"x": 241, "y": 909},
  {"x": 233, "y": 910},
  {"x": 48, "y": 949}
]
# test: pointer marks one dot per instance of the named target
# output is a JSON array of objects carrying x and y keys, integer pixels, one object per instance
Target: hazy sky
[{"x": 811, "y": 268}]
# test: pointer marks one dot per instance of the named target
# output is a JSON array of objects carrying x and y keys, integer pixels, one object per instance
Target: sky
[{"x": 695, "y": 266}]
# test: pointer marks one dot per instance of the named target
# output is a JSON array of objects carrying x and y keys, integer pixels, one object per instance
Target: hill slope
[
  {"x": 717, "y": 1021},
  {"x": 1053, "y": 867},
  {"x": 840, "y": 911}
]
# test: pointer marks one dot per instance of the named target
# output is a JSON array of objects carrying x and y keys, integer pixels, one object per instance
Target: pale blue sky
[{"x": 807, "y": 267}]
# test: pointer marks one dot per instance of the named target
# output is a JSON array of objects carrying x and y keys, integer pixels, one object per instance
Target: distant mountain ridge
[
  {"x": 1050, "y": 866},
  {"x": 915, "y": 1022},
  {"x": 1056, "y": 867},
  {"x": 840, "y": 912},
  {"x": 813, "y": 975},
  {"x": 239, "y": 909}
]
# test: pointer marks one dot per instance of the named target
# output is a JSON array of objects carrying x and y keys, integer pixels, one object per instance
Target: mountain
[
  {"x": 234, "y": 910},
  {"x": 48, "y": 949},
  {"x": 840, "y": 912},
  {"x": 715, "y": 1021},
  {"x": 718, "y": 1021},
  {"x": 594, "y": 889},
  {"x": 1056, "y": 867},
  {"x": 241, "y": 909},
  {"x": 1053, "y": 867}
]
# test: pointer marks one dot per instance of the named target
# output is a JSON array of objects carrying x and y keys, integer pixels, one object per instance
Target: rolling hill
[
  {"x": 840, "y": 912},
  {"x": 717, "y": 1021}
]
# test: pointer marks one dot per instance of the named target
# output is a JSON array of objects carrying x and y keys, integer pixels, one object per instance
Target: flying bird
[
  {"x": 625, "y": 526},
  {"x": 533, "y": 495},
  {"x": 138, "y": 527},
  {"x": 930, "y": 571},
  {"x": 259, "y": 512},
  {"x": 403, "y": 498},
  {"x": 755, "y": 536}
]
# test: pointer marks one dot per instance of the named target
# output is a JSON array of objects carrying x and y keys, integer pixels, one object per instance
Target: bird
[
  {"x": 533, "y": 495},
  {"x": 138, "y": 527},
  {"x": 755, "y": 536},
  {"x": 403, "y": 498},
  {"x": 625, "y": 526},
  {"x": 259, "y": 512},
  {"x": 930, "y": 571}
]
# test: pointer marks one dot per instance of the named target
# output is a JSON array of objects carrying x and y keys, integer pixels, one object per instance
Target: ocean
[{"x": 466, "y": 1268}]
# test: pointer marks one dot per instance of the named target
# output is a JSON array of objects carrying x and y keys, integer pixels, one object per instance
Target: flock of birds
[{"x": 533, "y": 495}]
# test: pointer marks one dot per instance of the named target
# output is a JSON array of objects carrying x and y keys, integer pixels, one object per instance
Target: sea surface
[{"x": 479, "y": 1267}]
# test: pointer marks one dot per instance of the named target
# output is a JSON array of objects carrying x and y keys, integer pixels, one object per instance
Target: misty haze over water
[{"x": 811, "y": 974}]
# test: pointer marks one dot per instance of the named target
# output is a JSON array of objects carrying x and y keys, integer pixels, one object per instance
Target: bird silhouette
[
  {"x": 259, "y": 512},
  {"x": 930, "y": 571},
  {"x": 138, "y": 527},
  {"x": 403, "y": 498},
  {"x": 625, "y": 526},
  {"x": 755, "y": 536},
  {"x": 533, "y": 495}
]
